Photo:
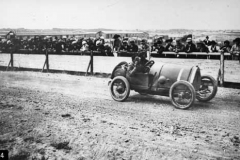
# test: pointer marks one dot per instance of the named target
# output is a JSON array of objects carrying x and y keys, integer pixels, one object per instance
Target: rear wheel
[
  {"x": 182, "y": 94},
  {"x": 208, "y": 88},
  {"x": 119, "y": 88}
]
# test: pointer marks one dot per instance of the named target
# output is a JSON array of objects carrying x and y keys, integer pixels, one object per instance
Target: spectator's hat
[
  {"x": 47, "y": 37},
  {"x": 107, "y": 44},
  {"x": 98, "y": 43},
  {"x": 8, "y": 42},
  {"x": 116, "y": 36},
  {"x": 226, "y": 42},
  {"x": 169, "y": 40},
  {"x": 64, "y": 37},
  {"x": 189, "y": 39},
  {"x": 84, "y": 42},
  {"x": 143, "y": 41},
  {"x": 131, "y": 40},
  {"x": 213, "y": 42},
  {"x": 237, "y": 40},
  {"x": 4, "y": 40},
  {"x": 74, "y": 42}
]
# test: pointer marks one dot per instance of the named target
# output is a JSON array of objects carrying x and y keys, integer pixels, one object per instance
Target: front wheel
[
  {"x": 182, "y": 94},
  {"x": 119, "y": 88},
  {"x": 208, "y": 88}
]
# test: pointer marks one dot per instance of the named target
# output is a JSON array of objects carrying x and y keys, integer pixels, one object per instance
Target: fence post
[
  {"x": 46, "y": 63},
  {"x": 11, "y": 60},
  {"x": 221, "y": 78},
  {"x": 91, "y": 62},
  {"x": 47, "y": 60}
]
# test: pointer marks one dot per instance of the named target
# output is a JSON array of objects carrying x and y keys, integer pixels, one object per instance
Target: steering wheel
[{"x": 149, "y": 63}]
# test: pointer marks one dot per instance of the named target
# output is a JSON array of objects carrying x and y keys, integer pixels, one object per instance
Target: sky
[{"x": 121, "y": 14}]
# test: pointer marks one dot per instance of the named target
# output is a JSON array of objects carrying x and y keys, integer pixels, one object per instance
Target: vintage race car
[{"x": 182, "y": 84}]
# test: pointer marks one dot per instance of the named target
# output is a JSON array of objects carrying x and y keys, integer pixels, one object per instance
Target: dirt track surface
[{"x": 58, "y": 116}]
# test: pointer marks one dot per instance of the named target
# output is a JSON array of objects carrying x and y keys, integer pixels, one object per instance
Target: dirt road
[{"x": 58, "y": 116}]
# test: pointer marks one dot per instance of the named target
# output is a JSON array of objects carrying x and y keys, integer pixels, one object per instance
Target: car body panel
[{"x": 160, "y": 78}]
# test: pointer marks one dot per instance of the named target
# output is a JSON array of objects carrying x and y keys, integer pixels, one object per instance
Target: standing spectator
[
  {"x": 84, "y": 46},
  {"x": 206, "y": 41},
  {"x": 124, "y": 46},
  {"x": 132, "y": 47},
  {"x": 59, "y": 46},
  {"x": 99, "y": 40},
  {"x": 100, "y": 46},
  {"x": 226, "y": 47},
  {"x": 169, "y": 46},
  {"x": 235, "y": 50},
  {"x": 201, "y": 47},
  {"x": 213, "y": 47},
  {"x": 190, "y": 46},
  {"x": 90, "y": 43},
  {"x": 157, "y": 46},
  {"x": 108, "y": 49},
  {"x": 116, "y": 43},
  {"x": 179, "y": 47},
  {"x": 144, "y": 47}
]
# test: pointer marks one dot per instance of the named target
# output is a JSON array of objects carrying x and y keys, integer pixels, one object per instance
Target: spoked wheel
[
  {"x": 182, "y": 94},
  {"x": 208, "y": 88},
  {"x": 119, "y": 88}
]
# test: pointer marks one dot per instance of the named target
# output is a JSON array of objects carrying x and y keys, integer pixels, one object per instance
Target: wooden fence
[{"x": 95, "y": 53}]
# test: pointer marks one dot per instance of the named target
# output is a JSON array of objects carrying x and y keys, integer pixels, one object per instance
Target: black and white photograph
[{"x": 119, "y": 80}]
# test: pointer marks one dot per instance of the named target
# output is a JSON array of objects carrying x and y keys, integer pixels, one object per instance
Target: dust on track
[{"x": 54, "y": 116}]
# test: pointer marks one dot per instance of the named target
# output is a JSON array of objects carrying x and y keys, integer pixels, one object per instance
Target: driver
[{"x": 139, "y": 60}]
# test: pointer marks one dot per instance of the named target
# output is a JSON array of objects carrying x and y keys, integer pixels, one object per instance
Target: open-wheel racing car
[{"x": 182, "y": 84}]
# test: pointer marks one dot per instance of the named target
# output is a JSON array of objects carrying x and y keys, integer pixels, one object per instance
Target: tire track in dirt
[{"x": 53, "y": 123}]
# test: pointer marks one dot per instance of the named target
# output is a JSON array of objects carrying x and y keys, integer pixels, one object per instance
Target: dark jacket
[
  {"x": 190, "y": 47},
  {"x": 133, "y": 48}
]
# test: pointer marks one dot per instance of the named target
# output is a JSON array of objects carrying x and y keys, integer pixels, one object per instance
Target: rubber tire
[
  {"x": 191, "y": 88},
  {"x": 214, "y": 92},
  {"x": 127, "y": 88}
]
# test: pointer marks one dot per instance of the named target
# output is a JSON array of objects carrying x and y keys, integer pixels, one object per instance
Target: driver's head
[{"x": 143, "y": 42}]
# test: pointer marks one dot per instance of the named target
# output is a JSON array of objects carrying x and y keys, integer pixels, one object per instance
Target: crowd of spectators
[
  {"x": 39, "y": 44},
  {"x": 116, "y": 45},
  {"x": 188, "y": 46}
]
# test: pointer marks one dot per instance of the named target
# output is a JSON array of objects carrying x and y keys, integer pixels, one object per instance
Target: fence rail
[{"x": 122, "y": 53}]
